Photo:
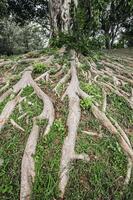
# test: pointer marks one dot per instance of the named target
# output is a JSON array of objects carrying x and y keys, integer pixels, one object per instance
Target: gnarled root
[
  {"x": 62, "y": 81},
  {"x": 7, "y": 111},
  {"x": 16, "y": 125},
  {"x": 68, "y": 152},
  {"x": 99, "y": 135},
  {"x": 112, "y": 129},
  {"x": 28, "y": 168}
]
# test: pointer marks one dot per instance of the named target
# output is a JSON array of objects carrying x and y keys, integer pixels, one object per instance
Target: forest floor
[{"x": 107, "y": 79}]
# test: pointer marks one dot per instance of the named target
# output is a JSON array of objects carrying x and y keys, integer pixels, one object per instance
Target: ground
[{"x": 102, "y": 178}]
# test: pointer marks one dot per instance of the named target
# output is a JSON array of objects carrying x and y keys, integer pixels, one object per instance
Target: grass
[
  {"x": 119, "y": 110},
  {"x": 39, "y": 67},
  {"x": 12, "y": 144},
  {"x": 100, "y": 179},
  {"x": 47, "y": 161}
]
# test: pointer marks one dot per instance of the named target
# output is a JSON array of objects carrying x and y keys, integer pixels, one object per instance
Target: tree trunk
[{"x": 60, "y": 16}]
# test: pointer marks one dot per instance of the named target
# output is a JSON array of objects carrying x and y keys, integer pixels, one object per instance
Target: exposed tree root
[
  {"x": 129, "y": 171},
  {"x": 27, "y": 168},
  {"x": 4, "y": 87},
  {"x": 7, "y": 111},
  {"x": 43, "y": 76},
  {"x": 109, "y": 86},
  {"x": 104, "y": 101},
  {"x": 100, "y": 115},
  {"x": 68, "y": 150},
  {"x": 16, "y": 125},
  {"x": 93, "y": 134},
  {"x": 5, "y": 95},
  {"x": 62, "y": 81},
  {"x": 112, "y": 129},
  {"x": 117, "y": 77}
]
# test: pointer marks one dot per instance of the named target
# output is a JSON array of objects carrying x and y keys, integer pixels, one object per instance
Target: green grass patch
[
  {"x": 47, "y": 162},
  {"x": 119, "y": 110},
  {"x": 39, "y": 67},
  {"x": 12, "y": 144},
  {"x": 93, "y": 90}
]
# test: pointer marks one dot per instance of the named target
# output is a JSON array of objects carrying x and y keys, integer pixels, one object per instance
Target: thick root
[
  {"x": 16, "y": 125},
  {"x": 7, "y": 111},
  {"x": 68, "y": 150},
  {"x": 99, "y": 135},
  {"x": 62, "y": 81},
  {"x": 28, "y": 166}
]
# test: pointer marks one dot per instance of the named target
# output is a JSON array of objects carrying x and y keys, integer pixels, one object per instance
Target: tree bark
[{"x": 60, "y": 16}]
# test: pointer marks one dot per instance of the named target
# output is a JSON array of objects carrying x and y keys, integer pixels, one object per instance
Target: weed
[
  {"x": 32, "y": 106},
  {"x": 47, "y": 162},
  {"x": 85, "y": 66},
  {"x": 86, "y": 103},
  {"x": 39, "y": 67},
  {"x": 58, "y": 125},
  {"x": 119, "y": 110},
  {"x": 27, "y": 91},
  {"x": 60, "y": 88},
  {"x": 127, "y": 87},
  {"x": 92, "y": 90}
]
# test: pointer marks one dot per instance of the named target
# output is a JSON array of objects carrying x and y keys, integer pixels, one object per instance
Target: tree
[
  {"x": 60, "y": 15},
  {"x": 26, "y": 11},
  {"x": 113, "y": 14},
  {"x": 127, "y": 35}
]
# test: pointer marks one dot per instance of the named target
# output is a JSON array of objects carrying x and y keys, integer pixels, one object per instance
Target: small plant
[
  {"x": 53, "y": 70},
  {"x": 60, "y": 89},
  {"x": 85, "y": 66},
  {"x": 119, "y": 107},
  {"x": 86, "y": 103},
  {"x": 41, "y": 122},
  {"x": 126, "y": 87},
  {"x": 92, "y": 90},
  {"x": 27, "y": 91},
  {"x": 59, "y": 126},
  {"x": 39, "y": 67}
]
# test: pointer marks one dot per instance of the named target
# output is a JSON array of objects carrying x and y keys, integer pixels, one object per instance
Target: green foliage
[
  {"x": 127, "y": 87},
  {"x": 27, "y": 91},
  {"x": 101, "y": 178},
  {"x": 86, "y": 103},
  {"x": 11, "y": 151},
  {"x": 84, "y": 44},
  {"x": 120, "y": 110},
  {"x": 49, "y": 51},
  {"x": 39, "y": 67},
  {"x": 3, "y": 8},
  {"x": 93, "y": 90},
  {"x": 16, "y": 40},
  {"x": 58, "y": 126},
  {"x": 106, "y": 166},
  {"x": 32, "y": 106},
  {"x": 47, "y": 162}
]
